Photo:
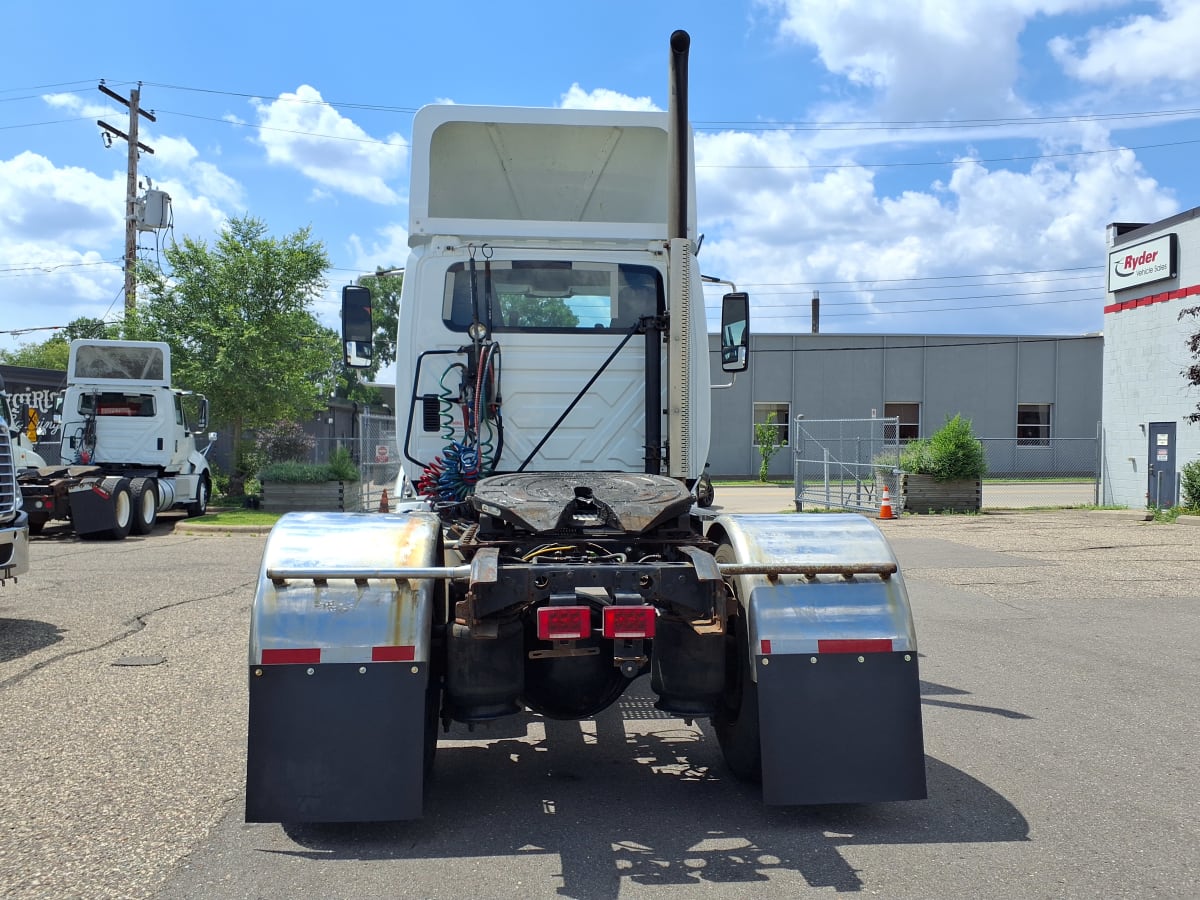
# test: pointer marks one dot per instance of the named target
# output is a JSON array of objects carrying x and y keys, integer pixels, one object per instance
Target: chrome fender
[
  {"x": 324, "y": 618},
  {"x": 833, "y": 654},
  {"x": 858, "y": 595}
]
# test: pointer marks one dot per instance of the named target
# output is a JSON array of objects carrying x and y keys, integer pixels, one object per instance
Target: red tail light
[
  {"x": 629, "y": 621},
  {"x": 564, "y": 623}
]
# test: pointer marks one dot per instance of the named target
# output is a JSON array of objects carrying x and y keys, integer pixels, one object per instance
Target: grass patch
[
  {"x": 1169, "y": 515},
  {"x": 241, "y": 517}
]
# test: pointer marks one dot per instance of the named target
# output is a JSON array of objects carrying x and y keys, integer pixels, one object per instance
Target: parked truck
[
  {"x": 14, "y": 523},
  {"x": 128, "y": 450},
  {"x": 545, "y": 550}
]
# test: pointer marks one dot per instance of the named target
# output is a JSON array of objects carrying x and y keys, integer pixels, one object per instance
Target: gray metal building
[{"x": 1030, "y": 389}]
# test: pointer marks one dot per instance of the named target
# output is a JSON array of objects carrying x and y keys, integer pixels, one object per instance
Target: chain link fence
[
  {"x": 1024, "y": 472},
  {"x": 846, "y": 463},
  {"x": 374, "y": 450}
]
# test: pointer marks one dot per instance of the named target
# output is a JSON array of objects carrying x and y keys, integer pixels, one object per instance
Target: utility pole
[{"x": 130, "y": 181}]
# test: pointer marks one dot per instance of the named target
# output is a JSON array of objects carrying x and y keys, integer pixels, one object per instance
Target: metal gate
[
  {"x": 378, "y": 456},
  {"x": 846, "y": 463}
]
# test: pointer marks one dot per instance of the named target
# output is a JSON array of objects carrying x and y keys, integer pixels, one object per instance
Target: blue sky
[{"x": 929, "y": 167}]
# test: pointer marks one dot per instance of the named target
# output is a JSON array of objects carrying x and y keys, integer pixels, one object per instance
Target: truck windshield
[{"x": 550, "y": 296}]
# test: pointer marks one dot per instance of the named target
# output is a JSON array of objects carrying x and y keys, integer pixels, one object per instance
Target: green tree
[
  {"x": 1192, "y": 373},
  {"x": 238, "y": 320},
  {"x": 53, "y": 352},
  {"x": 536, "y": 312},
  {"x": 385, "y": 286},
  {"x": 766, "y": 437}
]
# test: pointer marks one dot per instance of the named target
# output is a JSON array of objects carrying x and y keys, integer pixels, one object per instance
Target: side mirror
[
  {"x": 202, "y": 414},
  {"x": 358, "y": 330},
  {"x": 735, "y": 332}
]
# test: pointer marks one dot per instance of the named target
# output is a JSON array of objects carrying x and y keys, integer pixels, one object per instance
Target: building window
[
  {"x": 775, "y": 416},
  {"x": 1033, "y": 424},
  {"x": 909, "y": 425}
]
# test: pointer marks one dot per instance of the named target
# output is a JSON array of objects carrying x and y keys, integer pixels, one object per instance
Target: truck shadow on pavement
[
  {"x": 20, "y": 637},
  {"x": 646, "y": 798}
]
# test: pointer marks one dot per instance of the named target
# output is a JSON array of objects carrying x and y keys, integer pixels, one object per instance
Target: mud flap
[
  {"x": 91, "y": 511},
  {"x": 343, "y": 744},
  {"x": 840, "y": 728}
]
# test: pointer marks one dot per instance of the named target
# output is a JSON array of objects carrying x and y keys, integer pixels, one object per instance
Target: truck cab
[
  {"x": 14, "y": 523},
  {"x": 553, "y": 372}
]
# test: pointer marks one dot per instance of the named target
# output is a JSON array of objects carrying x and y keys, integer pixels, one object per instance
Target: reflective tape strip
[
  {"x": 860, "y": 645},
  {"x": 311, "y": 656},
  {"x": 393, "y": 654},
  {"x": 810, "y": 646},
  {"x": 291, "y": 656}
]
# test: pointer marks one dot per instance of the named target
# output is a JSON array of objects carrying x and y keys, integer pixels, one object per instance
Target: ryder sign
[{"x": 1141, "y": 263}]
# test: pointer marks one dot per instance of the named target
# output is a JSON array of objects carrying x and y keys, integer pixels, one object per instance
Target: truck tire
[
  {"x": 736, "y": 723},
  {"x": 122, "y": 505},
  {"x": 704, "y": 492},
  {"x": 200, "y": 506},
  {"x": 36, "y": 526},
  {"x": 144, "y": 492}
]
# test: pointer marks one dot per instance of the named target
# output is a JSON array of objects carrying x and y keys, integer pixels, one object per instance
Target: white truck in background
[
  {"x": 546, "y": 550},
  {"x": 14, "y": 523},
  {"x": 128, "y": 449}
]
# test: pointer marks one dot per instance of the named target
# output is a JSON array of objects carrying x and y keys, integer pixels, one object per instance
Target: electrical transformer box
[{"x": 153, "y": 211}]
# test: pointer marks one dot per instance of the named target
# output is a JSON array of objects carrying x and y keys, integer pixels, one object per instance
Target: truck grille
[{"x": 10, "y": 494}]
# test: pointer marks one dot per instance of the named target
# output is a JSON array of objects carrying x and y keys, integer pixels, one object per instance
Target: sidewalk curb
[{"x": 201, "y": 528}]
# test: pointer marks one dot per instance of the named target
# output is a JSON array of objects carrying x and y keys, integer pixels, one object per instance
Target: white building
[{"x": 1153, "y": 276}]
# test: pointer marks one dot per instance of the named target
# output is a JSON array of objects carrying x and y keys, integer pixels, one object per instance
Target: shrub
[
  {"x": 284, "y": 442},
  {"x": 1189, "y": 482},
  {"x": 340, "y": 467},
  {"x": 950, "y": 453}
]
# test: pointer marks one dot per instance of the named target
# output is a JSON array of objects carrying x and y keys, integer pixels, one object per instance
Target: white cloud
[
  {"x": 178, "y": 158},
  {"x": 41, "y": 201},
  {"x": 925, "y": 60},
  {"x": 791, "y": 229},
  {"x": 302, "y": 132},
  {"x": 388, "y": 250},
  {"x": 61, "y": 232},
  {"x": 1142, "y": 50},
  {"x": 73, "y": 103},
  {"x": 603, "y": 98}
]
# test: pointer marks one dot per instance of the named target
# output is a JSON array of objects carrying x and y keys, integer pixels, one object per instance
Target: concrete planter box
[
  {"x": 342, "y": 496},
  {"x": 922, "y": 494}
]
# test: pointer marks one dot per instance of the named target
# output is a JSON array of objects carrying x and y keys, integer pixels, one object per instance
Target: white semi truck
[
  {"x": 546, "y": 550},
  {"x": 128, "y": 449},
  {"x": 14, "y": 523}
]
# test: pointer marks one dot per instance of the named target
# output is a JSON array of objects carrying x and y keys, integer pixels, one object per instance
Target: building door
[{"x": 1161, "y": 490}]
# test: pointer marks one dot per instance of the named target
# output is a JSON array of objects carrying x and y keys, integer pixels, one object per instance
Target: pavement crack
[{"x": 133, "y": 626}]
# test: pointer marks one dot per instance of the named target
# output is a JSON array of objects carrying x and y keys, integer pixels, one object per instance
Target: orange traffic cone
[
  {"x": 885, "y": 506},
  {"x": 383, "y": 502}
]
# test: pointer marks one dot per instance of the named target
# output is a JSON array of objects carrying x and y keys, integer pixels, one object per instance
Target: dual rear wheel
[{"x": 144, "y": 494}]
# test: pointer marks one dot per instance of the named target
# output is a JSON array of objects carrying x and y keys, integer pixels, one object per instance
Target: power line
[
  {"x": 928, "y": 277},
  {"x": 954, "y": 162},
  {"x": 802, "y": 314},
  {"x": 824, "y": 306},
  {"x": 1008, "y": 122}
]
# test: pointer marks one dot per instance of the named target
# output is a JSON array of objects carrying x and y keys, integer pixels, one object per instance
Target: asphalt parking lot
[{"x": 1059, "y": 668}]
